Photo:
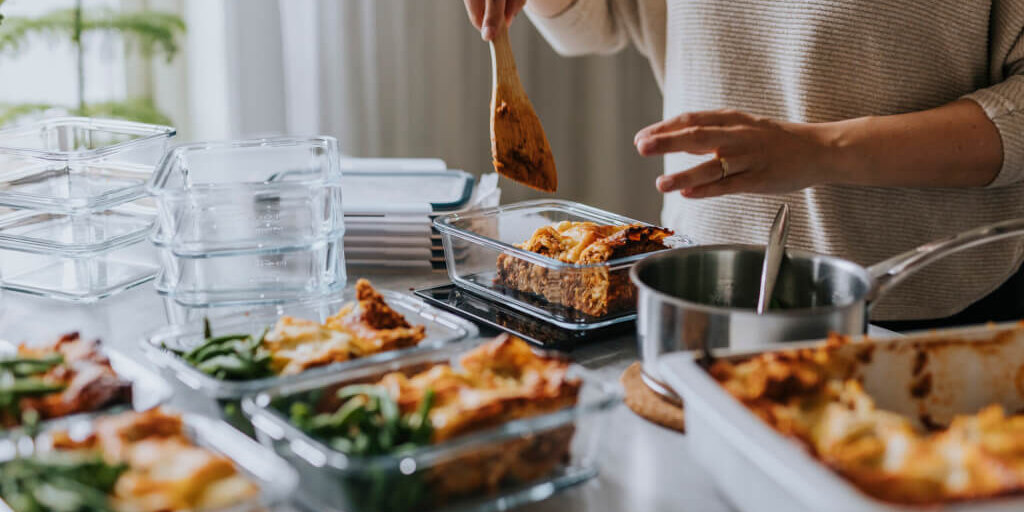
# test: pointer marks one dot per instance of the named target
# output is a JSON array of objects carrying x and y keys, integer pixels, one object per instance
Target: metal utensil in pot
[{"x": 701, "y": 296}]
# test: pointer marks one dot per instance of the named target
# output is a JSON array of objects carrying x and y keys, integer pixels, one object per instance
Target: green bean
[{"x": 207, "y": 331}]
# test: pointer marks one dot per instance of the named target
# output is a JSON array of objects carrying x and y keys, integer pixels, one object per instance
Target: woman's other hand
[
  {"x": 752, "y": 154},
  {"x": 490, "y": 15}
]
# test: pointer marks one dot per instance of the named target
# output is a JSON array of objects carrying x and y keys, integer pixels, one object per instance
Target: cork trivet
[{"x": 649, "y": 405}]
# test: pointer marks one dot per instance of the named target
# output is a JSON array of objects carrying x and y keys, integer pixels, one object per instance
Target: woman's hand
[
  {"x": 490, "y": 15},
  {"x": 752, "y": 154}
]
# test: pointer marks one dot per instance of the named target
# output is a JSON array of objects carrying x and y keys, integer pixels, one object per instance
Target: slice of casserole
[
  {"x": 595, "y": 291},
  {"x": 365, "y": 327}
]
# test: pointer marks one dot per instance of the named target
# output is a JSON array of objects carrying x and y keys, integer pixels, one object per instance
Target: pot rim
[{"x": 854, "y": 268}]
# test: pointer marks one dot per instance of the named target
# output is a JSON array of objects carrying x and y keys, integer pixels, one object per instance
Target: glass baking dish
[
  {"x": 76, "y": 234},
  {"x": 333, "y": 481},
  {"x": 491, "y": 235},
  {"x": 251, "y": 277},
  {"x": 86, "y": 277},
  {"x": 148, "y": 389},
  {"x": 78, "y": 164},
  {"x": 276, "y": 480},
  {"x": 441, "y": 329},
  {"x": 261, "y": 194}
]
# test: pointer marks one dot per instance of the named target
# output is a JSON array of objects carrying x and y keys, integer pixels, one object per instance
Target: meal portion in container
[
  {"x": 499, "y": 423},
  {"x": 817, "y": 396},
  {"x": 365, "y": 327},
  {"x": 130, "y": 462},
  {"x": 595, "y": 291},
  {"x": 70, "y": 376}
]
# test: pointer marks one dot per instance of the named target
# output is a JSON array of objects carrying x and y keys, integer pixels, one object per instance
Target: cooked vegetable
[
  {"x": 59, "y": 482},
  {"x": 230, "y": 357},
  {"x": 368, "y": 422},
  {"x": 22, "y": 377}
]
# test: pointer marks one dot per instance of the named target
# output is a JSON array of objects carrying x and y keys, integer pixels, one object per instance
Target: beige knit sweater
[{"x": 826, "y": 60}]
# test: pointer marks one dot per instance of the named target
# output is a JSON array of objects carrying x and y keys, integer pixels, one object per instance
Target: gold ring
[{"x": 725, "y": 168}]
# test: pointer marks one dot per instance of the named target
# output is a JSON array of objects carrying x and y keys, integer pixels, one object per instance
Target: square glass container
[
  {"x": 251, "y": 277},
  {"x": 333, "y": 481},
  {"x": 276, "y": 480},
  {"x": 480, "y": 249},
  {"x": 441, "y": 329},
  {"x": 81, "y": 277},
  {"x": 76, "y": 234},
  {"x": 78, "y": 164},
  {"x": 251, "y": 195},
  {"x": 148, "y": 389}
]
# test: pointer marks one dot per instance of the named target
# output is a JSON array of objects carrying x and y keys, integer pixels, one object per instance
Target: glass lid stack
[{"x": 74, "y": 211}]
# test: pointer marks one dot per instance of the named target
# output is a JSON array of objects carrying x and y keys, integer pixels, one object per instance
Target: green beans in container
[{"x": 358, "y": 448}]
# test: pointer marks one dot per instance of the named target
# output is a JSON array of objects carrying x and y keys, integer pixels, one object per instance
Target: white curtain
[{"x": 412, "y": 78}]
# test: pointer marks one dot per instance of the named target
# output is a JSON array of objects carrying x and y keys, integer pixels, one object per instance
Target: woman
[{"x": 885, "y": 124}]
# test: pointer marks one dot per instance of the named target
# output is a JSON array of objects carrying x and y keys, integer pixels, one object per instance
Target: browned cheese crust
[
  {"x": 814, "y": 397},
  {"x": 596, "y": 291}
]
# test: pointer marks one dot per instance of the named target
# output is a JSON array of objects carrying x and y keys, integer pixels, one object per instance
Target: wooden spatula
[{"x": 519, "y": 148}]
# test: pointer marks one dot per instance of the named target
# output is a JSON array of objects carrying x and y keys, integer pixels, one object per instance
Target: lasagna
[
  {"x": 813, "y": 396},
  {"x": 595, "y": 289},
  {"x": 293, "y": 345},
  {"x": 70, "y": 376},
  {"x": 497, "y": 382},
  {"x": 366, "y": 327},
  {"x": 159, "y": 468}
]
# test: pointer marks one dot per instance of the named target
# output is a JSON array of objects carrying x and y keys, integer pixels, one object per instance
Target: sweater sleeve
[
  {"x": 1003, "y": 101},
  {"x": 587, "y": 26}
]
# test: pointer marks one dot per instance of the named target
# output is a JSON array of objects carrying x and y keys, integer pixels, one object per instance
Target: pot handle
[{"x": 890, "y": 272}]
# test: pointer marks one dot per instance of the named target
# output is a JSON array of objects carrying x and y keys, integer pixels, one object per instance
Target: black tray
[{"x": 494, "y": 315}]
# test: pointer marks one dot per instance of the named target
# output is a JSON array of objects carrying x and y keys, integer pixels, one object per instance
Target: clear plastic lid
[{"x": 406, "y": 192}]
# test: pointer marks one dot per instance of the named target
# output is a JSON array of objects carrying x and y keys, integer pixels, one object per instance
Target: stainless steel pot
[{"x": 702, "y": 296}]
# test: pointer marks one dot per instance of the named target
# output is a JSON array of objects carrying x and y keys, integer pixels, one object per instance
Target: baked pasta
[
  {"x": 595, "y": 291},
  {"x": 813, "y": 395},
  {"x": 495, "y": 383},
  {"x": 132, "y": 462},
  {"x": 293, "y": 345},
  {"x": 68, "y": 377}
]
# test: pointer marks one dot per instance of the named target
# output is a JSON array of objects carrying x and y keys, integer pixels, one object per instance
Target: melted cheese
[{"x": 297, "y": 344}]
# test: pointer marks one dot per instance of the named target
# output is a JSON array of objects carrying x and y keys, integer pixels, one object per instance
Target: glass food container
[
  {"x": 251, "y": 277},
  {"x": 221, "y": 397},
  {"x": 333, "y": 481},
  {"x": 279, "y": 193},
  {"x": 148, "y": 389},
  {"x": 75, "y": 276},
  {"x": 75, "y": 165},
  {"x": 275, "y": 478},
  {"x": 480, "y": 248}
]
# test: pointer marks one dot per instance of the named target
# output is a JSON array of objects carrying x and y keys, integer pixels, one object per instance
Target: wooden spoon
[{"x": 519, "y": 148}]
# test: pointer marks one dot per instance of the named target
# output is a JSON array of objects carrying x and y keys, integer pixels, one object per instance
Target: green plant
[{"x": 151, "y": 33}]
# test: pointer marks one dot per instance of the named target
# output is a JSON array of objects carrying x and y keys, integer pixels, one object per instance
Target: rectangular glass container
[
  {"x": 477, "y": 243},
  {"x": 148, "y": 389},
  {"x": 251, "y": 276},
  {"x": 85, "y": 277},
  {"x": 78, "y": 164},
  {"x": 758, "y": 468},
  {"x": 263, "y": 194},
  {"x": 276, "y": 480},
  {"x": 332, "y": 481},
  {"x": 76, "y": 234},
  {"x": 441, "y": 329}
]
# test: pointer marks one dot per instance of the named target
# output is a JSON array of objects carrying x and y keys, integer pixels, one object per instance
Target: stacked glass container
[
  {"x": 74, "y": 215},
  {"x": 249, "y": 222}
]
